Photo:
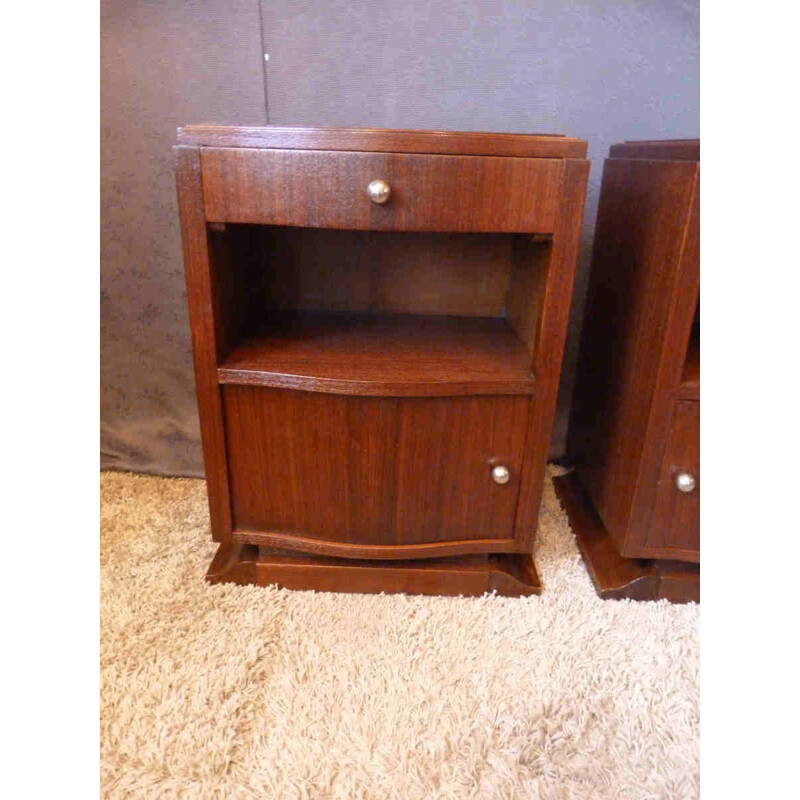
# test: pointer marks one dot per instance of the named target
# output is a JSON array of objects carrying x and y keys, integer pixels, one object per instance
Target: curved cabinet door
[{"x": 374, "y": 477}]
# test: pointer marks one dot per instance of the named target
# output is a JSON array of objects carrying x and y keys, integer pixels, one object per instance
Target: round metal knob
[
  {"x": 500, "y": 474},
  {"x": 378, "y": 192},
  {"x": 685, "y": 482}
]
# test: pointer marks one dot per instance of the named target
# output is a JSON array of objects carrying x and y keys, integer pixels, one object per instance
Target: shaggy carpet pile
[{"x": 245, "y": 692}]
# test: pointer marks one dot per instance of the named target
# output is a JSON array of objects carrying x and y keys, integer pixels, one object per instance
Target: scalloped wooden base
[
  {"x": 512, "y": 574},
  {"x": 615, "y": 577}
]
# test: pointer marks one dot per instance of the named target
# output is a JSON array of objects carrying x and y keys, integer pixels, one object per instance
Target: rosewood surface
[
  {"x": 549, "y": 305},
  {"x": 320, "y": 189},
  {"x": 669, "y": 150},
  {"x": 383, "y": 354},
  {"x": 322, "y": 269},
  {"x": 635, "y": 423},
  {"x": 510, "y": 575},
  {"x": 641, "y": 302},
  {"x": 615, "y": 577},
  {"x": 373, "y": 471},
  {"x": 361, "y": 369},
  {"x": 675, "y": 521},
  {"x": 205, "y": 313},
  {"x": 380, "y": 140}
]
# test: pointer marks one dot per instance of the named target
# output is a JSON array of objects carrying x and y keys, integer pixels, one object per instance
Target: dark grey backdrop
[{"x": 603, "y": 71}]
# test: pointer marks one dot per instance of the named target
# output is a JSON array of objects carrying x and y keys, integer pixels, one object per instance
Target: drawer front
[
  {"x": 675, "y": 523},
  {"x": 381, "y": 472},
  {"x": 427, "y": 193}
]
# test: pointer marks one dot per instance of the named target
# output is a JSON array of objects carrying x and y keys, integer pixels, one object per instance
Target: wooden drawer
[
  {"x": 325, "y": 189},
  {"x": 370, "y": 477},
  {"x": 675, "y": 523}
]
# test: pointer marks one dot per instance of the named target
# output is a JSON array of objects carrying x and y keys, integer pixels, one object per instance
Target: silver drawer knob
[
  {"x": 685, "y": 482},
  {"x": 500, "y": 474},
  {"x": 378, "y": 192}
]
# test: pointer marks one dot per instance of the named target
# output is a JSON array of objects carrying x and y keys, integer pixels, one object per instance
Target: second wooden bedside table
[{"x": 634, "y": 497}]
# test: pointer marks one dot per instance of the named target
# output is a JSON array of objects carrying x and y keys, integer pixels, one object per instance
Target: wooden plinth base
[
  {"x": 513, "y": 575},
  {"x": 616, "y": 577}
]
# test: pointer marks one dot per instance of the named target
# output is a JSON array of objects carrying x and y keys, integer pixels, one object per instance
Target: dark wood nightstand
[
  {"x": 378, "y": 320},
  {"x": 634, "y": 497}
]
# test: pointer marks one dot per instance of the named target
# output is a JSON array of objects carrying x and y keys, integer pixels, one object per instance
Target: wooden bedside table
[
  {"x": 634, "y": 497},
  {"x": 378, "y": 319}
]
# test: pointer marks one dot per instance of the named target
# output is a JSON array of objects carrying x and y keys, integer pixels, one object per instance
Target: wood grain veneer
[
  {"x": 205, "y": 314},
  {"x": 675, "y": 519},
  {"x": 383, "y": 354},
  {"x": 551, "y": 299},
  {"x": 322, "y": 269},
  {"x": 373, "y": 471},
  {"x": 616, "y": 577},
  {"x": 642, "y": 229},
  {"x": 380, "y": 140},
  {"x": 321, "y": 189},
  {"x": 470, "y": 575},
  {"x": 669, "y": 150},
  {"x": 361, "y": 369},
  {"x": 635, "y": 421}
]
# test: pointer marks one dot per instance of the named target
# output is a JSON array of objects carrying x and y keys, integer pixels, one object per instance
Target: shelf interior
[
  {"x": 364, "y": 353},
  {"x": 378, "y": 313},
  {"x": 690, "y": 379}
]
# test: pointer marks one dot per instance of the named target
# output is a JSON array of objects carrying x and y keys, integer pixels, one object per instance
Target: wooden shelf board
[{"x": 383, "y": 354}]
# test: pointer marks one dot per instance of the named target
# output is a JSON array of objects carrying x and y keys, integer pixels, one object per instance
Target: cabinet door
[
  {"x": 675, "y": 523},
  {"x": 380, "y": 477}
]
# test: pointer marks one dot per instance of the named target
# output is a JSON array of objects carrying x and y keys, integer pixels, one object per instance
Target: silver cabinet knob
[
  {"x": 500, "y": 474},
  {"x": 378, "y": 192},
  {"x": 684, "y": 482}
]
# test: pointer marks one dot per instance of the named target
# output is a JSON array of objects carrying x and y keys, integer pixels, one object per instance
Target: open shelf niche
[
  {"x": 690, "y": 379},
  {"x": 377, "y": 313}
]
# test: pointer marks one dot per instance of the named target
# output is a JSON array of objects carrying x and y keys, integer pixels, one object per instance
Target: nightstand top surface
[
  {"x": 664, "y": 150},
  {"x": 384, "y": 140}
]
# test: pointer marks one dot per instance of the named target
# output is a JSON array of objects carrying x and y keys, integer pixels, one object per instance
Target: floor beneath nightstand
[{"x": 236, "y": 691}]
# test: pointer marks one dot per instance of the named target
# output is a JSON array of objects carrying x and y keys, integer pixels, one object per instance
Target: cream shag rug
[{"x": 244, "y": 692}]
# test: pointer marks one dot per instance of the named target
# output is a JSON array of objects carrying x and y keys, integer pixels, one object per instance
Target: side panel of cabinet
[
  {"x": 633, "y": 314},
  {"x": 676, "y": 515},
  {"x": 375, "y": 472}
]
